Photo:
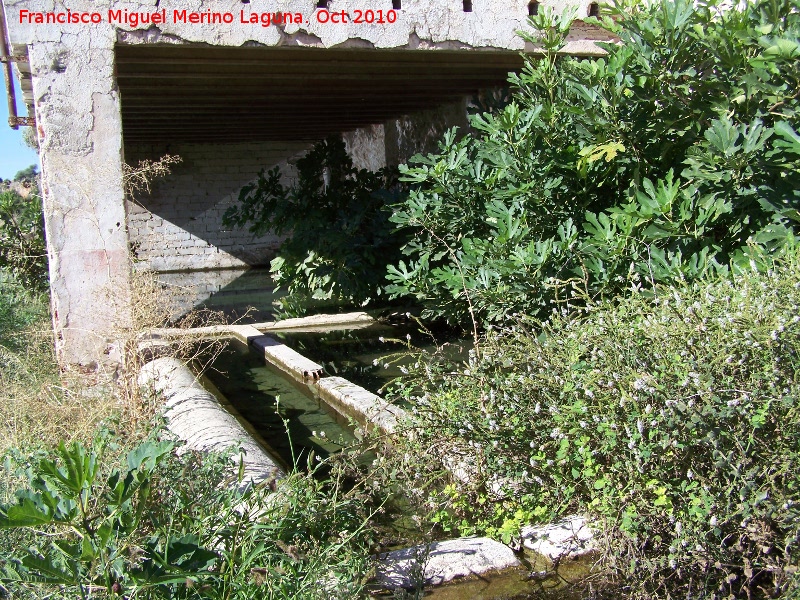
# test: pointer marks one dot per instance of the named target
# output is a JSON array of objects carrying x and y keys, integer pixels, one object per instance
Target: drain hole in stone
[
  {"x": 467, "y": 5},
  {"x": 533, "y": 8},
  {"x": 594, "y": 9},
  {"x": 396, "y": 4}
]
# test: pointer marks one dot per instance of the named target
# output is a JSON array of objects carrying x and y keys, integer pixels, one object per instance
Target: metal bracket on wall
[
  {"x": 13, "y": 58},
  {"x": 15, "y": 122}
]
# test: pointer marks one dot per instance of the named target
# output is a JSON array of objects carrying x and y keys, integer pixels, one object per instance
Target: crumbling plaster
[
  {"x": 421, "y": 24},
  {"x": 80, "y": 136}
]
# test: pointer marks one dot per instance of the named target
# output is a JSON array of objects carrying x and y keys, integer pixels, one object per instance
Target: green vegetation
[
  {"x": 341, "y": 238},
  {"x": 111, "y": 513},
  {"x": 22, "y": 248},
  {"x": 672, "y": 421},
  {"x": 666, "y": 159},
  {"x": 622, "y": 231},
  {"x": 145, "y": 530},
  {"x": 29, "y": 173}
]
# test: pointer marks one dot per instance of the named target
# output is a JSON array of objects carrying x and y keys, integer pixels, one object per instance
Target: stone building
[{"x": 232, "y": 86}]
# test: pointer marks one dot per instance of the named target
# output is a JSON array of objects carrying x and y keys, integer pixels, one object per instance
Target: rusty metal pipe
[{"x": 7, "y": 74}]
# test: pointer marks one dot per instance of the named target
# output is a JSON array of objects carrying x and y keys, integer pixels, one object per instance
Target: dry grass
[
  {"x": 38, "y": 406},
  {"x": 41, "y": 406}
]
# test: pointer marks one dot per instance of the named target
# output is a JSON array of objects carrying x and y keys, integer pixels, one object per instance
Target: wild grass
[
  {"x": 38, "y": 405},
  {"x": 181, "y": 532}
]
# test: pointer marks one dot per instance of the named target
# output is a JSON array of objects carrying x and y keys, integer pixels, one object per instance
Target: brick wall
[{"x": 178, "y": 226}]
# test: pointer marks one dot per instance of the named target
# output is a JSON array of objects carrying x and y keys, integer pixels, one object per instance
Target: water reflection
[
  {"x": 242, "y": 295},
  {"x": 253, "y": 386}
]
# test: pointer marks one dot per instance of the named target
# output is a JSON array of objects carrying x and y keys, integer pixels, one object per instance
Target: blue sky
[{"x": 14, "y": 154}]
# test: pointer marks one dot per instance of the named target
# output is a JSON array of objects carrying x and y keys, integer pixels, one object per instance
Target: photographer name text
[{"x": 208, "y": 17}]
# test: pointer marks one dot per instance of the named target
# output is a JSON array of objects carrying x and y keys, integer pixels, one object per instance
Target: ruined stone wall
[{"x": 178, "y": 226}]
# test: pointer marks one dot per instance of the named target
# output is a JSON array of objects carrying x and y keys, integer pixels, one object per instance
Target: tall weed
[{"x": 143, "y": 528}]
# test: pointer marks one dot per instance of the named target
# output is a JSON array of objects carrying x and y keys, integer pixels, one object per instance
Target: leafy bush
[
  {"x": 22, "y": 248},
  {"x": 340, "y": 239},
  {"x": 666, "y": 158},
  {"x": 29, "y": 173},
  {"x": 673, "y": 422},
  {"x": 146, "y": 530}
]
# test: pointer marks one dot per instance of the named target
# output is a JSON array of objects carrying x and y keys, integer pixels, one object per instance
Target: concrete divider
[
  {"x": 367, "y": 409},
  {"x": 355, "y": 320},
  {"x": 199, "y": 419},
  {"x": 286, "y": 359}
]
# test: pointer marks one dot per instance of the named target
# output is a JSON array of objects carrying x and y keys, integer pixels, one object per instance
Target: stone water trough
[{"x": 200, "y": 416}]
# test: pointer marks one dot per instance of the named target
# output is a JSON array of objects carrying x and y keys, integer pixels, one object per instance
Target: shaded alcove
[{"x": 229, "y": 112}]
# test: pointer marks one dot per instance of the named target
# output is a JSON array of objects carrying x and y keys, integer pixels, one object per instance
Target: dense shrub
[
  {"x": 673, "y": 422},
  {"x": 666, "y": 158},
  {"x": 29, "y": 174},
  {"x": 22, "y": 248},
  {"x": 140, "y": 528},
  {"x": 341, "y": 239}
]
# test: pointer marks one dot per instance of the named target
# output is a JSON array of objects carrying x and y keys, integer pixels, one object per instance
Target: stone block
[
  {"x": 441, "y": 562},
  {"x": 571, "y": 538}
]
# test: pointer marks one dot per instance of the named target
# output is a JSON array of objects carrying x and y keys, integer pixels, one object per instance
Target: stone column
[{"x": 80, "y": 140}]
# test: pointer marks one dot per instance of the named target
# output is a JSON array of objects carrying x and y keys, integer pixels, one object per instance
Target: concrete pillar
[{"x": 80, "y": 139}]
